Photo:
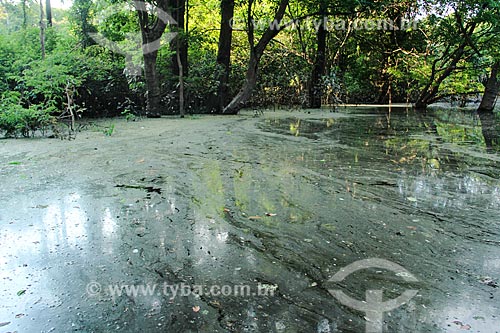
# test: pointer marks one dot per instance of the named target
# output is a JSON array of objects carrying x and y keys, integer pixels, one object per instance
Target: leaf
[
  {"x": 226, "y": 210},
  {"x": 15, "y": 163},
  {"x": 41, "y": 206},
  {"x": 21, "y": 292},
  {"x": 254, "y": 217},
  {"x": 196, "y": 308},
  {"x": 433, "y": 163},
  {"x": 411, "y": 199}
]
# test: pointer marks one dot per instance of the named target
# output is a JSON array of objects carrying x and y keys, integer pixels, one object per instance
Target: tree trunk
[
  {"x": 25, "y": 15},
  {"x": 245, "y": 93},
  {"x": 491, "y": 90},
  {"x": 224, "y": 53},
  {"x": 48, "y": 10},
  {"x": 256, "y": 52},
  {"x": 491, "y": 133},
  {"x": 152, "y": 85},
  {"x": 319, "y": 68},
  {"x": 151, "y": 32},
  {"x": 177, "y": 9},
  {"x": 181, "y": 81},
  {"x": 429, "y": 94},
  {"x": 82, "y": 10},
  {"x": 42, "y": 30}
]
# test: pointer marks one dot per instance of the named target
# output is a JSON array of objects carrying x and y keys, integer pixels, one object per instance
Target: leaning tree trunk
[
  {"x": 256, "y": 52},
  {"x": 319, "y": 67},
  {"x": 224, "y": 53},
  {"x": 246, "y": 91},
  {"x": 430, "y": 94},
  {"x": 491, "y": 90}
]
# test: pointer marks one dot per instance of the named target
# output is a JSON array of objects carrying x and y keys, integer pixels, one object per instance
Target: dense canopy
[{"x": 104, "y": 58}]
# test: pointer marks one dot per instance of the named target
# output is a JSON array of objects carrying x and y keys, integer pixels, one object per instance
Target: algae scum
[{"x": 266, "y": 210}]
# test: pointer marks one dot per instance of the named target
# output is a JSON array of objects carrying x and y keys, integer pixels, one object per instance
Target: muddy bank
[{"x": 279, "y": 203}]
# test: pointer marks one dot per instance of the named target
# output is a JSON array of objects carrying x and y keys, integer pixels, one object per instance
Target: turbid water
[{"x": 242, "y": 224}]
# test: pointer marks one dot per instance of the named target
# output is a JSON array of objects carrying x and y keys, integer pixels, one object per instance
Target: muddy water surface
[{"x": 276, "y": 204}]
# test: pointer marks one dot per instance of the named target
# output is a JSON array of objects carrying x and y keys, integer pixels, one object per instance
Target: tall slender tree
[
  {"x": 224, "y": 53},
  {"x": 319, "y": 67},
  {"x": 178, "y": 10},
  {"x": 42, "y": 30}
]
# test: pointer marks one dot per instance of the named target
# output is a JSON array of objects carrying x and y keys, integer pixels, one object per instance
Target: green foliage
[
  {"x": 16, "y": 120},
  {"x": 108, "y": 131},
  {"x": 128, "y": 110}
]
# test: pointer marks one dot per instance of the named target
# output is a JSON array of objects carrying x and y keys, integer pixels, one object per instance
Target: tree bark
[
  {"x": 25, "y": 16},
  {"x": 224, "y": 53},
  {"x": 152, "y": 85},
  {"x": 246, "y": 91},
  {"x": 319, "y": 67},
  {"x": 177, "y": 9},
  {"x": 151, "y": 33},
  {"x": 429, "y": 94},
  {"x": 48, "y": 10},
  {"x": 491, "y": 132},
  {"x": 256, "y": 52},
  {"x": 491, "y": 90},
  {"x": 42, "y": 30},
  {"x": 181, "y": 81}
]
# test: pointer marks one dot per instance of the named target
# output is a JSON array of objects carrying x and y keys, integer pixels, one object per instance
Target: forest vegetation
[{"x": 111, "y": 57}]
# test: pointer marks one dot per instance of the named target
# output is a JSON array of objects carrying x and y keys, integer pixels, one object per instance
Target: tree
[
  {"x": 256, "y": 52},
  {"x": 319, "y": 67},
  {"x": 48, "y": 10},
  {"x": 152, "y": 29},
  {"x": 224, "y": 53},
  {"x": 42, "y": 30},
  {"x": 462, "y": 37},
  {"x": 492, "y": 87},
  {"x": 178, "y": 10},
  {"x": 81, "y": 15}
]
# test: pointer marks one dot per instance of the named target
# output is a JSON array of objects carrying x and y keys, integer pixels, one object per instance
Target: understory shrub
[{"x": 17, "y": 120}]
